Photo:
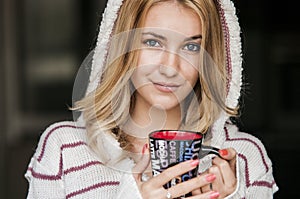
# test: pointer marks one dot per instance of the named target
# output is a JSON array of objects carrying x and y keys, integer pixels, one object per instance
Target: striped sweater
[{"x": 63, "y": 166}]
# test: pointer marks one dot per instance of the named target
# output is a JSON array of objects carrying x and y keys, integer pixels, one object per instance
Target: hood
[{"x": 231, "y": 30}]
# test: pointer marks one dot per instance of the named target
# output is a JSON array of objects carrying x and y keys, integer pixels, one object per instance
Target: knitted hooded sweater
[{"x": 64, "y": 166}]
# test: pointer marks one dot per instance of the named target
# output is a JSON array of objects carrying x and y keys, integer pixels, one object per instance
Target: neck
[
  {"x": 153, "y": 118},
  {"x": 145, "y": 119}
]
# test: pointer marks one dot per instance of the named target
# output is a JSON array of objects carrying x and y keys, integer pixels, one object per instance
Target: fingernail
[
  {"x": 194, "y": 163},
  {"x": 214, "y": 195},
  {"x": 210, "y": 177},
  {"x": 223, "y": 152},
  {"x": 145, "y": 147}
]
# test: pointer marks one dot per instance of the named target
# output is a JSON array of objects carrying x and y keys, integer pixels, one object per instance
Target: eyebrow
[
  {"x": 165, "y": 39},
  {"x": 155, "y": 35},
  {"x": 193, "y": 38}
]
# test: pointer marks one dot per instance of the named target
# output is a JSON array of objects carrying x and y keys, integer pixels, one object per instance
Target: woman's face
[{"x": 169, "y": 56}]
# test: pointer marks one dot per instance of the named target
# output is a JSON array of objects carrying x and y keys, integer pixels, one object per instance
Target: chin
[{"x": 165, "y": 105}]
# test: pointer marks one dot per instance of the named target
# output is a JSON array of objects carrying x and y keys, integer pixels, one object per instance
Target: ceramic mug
[{"x": 170, "y": 147}]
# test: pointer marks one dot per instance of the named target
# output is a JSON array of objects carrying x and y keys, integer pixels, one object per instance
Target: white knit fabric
[
  {"x": 108, "y": 19},
  {"x": 63, "y": 166}
]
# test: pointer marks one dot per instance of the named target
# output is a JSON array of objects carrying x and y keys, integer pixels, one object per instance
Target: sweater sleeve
[
  {"x": 64, "y": 167},
  {"x": 254, "y": 167},
  {"x": 263, "y": 187},
  {"x": 44, "y": 172},
  {"x": 41, "y": 183}
]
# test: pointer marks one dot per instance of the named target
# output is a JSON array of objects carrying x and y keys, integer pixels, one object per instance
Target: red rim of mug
[{"x": 175, "y": 135}]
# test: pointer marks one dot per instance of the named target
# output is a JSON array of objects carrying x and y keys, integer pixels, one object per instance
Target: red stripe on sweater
[
  {"x": 81, "y": 167},
  {"x": 46, "y": 176},
  {"x": 59, "y": 174},
  {"x": 48, "y": 135},
  {"x": 96, "y": 186},
  {"x": 247, "y": 177},
  {"x": 251, "y": 141},
  {"x": 43, "y": 176},
  {"x": 261, "y": 183},
  {"x": 72, "y": 145},
  {"x": 227, "y": 45}
]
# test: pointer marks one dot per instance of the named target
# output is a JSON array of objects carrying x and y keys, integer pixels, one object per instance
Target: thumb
[
  {"x": 230, "y": 155},
  {"x": 141, "y": 164}
]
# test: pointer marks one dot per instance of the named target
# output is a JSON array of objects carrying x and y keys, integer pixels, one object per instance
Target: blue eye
[
  {"x": 152, "y": 43},
  {"x": 192, "y": 47}
]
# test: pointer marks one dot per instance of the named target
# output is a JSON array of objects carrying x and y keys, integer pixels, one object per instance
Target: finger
[
  {"x": 174, "y": 171},
  {"x": 210, "y": 194},
  {"x": 192, "y": 184},
  {"x": 212, "y": 185},
  {"x": 227, "y": 173},
  {"x": 205, "y": 188},
  {"x": 196, "y": 192},
  {"x": 230, "y": 155},
  {"x": 219, "y": 181}
]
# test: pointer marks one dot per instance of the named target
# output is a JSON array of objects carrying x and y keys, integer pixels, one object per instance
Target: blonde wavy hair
[{"x": 110, "y": 105}]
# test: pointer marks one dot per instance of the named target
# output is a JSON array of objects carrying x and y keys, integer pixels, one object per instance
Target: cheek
[
  {"x": 149, "y": 57},
  {"x": 140, "y": 76},
  {"x": 191, "y": 74},
  {"x": 190, "y": 69},
  {"x": 136, "y": 79},
  {"x": 147, "y": 64},
  {"x": 194, "y": 77}
]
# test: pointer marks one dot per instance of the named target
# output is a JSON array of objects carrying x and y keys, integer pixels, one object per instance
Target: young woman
[{"x": 157, "y": 64}]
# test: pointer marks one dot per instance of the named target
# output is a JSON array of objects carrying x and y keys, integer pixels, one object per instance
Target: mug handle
[{"x": 206, "y": 150}]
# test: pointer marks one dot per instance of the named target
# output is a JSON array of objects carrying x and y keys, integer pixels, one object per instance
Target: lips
[{"x": 166, "y": 87}]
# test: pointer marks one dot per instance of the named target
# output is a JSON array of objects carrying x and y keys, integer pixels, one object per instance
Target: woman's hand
[
  {"x": 225, "y": 171},
  {"x": 153, "y": 188}
]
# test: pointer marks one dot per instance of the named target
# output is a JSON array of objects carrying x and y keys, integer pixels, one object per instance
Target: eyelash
[
  {"x": 197, "y": 46},
  {"x": 150, "y": 43}
]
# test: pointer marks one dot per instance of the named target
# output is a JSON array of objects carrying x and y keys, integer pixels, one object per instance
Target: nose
[{"x": 169, "y": 64}]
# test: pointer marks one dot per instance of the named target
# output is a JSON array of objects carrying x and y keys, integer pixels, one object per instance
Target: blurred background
[{"x": 43, "y": 44}]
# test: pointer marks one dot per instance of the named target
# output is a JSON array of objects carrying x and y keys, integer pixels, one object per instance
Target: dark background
[{"x": 43, "y": 44}]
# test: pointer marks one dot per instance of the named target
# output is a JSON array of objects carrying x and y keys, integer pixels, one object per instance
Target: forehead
[{"x": 173, "y": 17}]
